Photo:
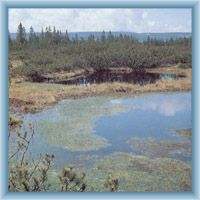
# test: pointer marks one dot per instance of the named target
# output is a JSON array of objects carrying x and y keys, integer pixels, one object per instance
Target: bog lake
[{"x": 80, "y": 131}]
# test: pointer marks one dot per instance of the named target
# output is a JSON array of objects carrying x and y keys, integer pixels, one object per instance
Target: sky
[{"x": 81, "y": 20}]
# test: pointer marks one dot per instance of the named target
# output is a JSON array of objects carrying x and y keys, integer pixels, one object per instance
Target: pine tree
[
  {"x": 41, "y": 38},
  {"x": 32, "y": 36},
  {"x": 21, "y": 35},
  {"x": 110, "y": 37},
  {"x": 103, "y": 36},
  {"x": 67, "y": 39}
]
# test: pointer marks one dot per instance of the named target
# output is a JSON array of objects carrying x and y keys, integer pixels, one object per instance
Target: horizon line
[{"x": 116, "y": 32}]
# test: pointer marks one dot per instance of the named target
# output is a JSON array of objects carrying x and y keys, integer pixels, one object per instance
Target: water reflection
[
  {"x": 77, "y": 127},
  {"x": 166, "y": 107},
  {"x": 155, "y": 116},
  {"x": 103, "y": 76},
  {"x": 141, "y": 78}
]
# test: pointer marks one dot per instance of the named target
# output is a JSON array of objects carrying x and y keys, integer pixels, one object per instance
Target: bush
[{"x": 32, "y": 176}]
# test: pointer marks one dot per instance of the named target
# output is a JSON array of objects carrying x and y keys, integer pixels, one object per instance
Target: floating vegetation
[
  {"x": 140, "y": 173},
  {"x": 73, "y": 126},
  {"x": 155, "y": 148},
  {"x": 187, "y": 133},
  {"x": 160, "y": 163}
]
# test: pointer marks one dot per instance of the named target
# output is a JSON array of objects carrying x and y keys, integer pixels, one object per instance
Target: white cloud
[
  {"x": 144, "y": 15},
  {"x": 135, "y": 20},
  {"x": 167, "y": 107},
  {"x": 72, "y": 19},
  {"x": 178, "y": 28},
  {"x": 151, "y": 23}
]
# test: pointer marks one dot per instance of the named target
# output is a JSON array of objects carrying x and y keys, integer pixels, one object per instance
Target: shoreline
[{"x": 32, "y": 97}]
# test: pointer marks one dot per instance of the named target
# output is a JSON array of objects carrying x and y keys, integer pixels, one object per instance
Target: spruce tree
[
  {"x": 21, "y": 35},
  {"x": 32, "y": 36}
]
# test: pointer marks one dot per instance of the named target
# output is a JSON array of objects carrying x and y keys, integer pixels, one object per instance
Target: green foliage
[
  {"x": 71, "y": 182},
  {"x": 52, "y": 51},
  {"x": 33, "y": 39},
  {"x": 163, "y": 148},
  {"x": 29, "y": 175},
  {"x": 10, "y": 68},
  {"x": 24, "y": 175},
  {"x": 187, "y": 133},
  {"x": 133, "y": 172},
  {"x": 112, "y": 183},
  {"x": 83, "y": 113},
  {"x": 21, "y": 36},
  {"x": 137, "y": 173}
]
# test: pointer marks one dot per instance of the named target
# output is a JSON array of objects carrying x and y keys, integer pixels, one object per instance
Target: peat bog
[
  {"x": 106, "y": 113},
  {"x": 135, "y": 136},
  {"x": 107, "y": 76}
]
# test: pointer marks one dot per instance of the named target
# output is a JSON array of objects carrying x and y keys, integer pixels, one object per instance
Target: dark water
[
  {"x": 115, "y": 120},
  {"x": 141, "y": 78},
  {"x": 103, "y": 76}
]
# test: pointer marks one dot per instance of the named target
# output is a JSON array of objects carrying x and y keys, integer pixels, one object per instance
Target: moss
[
  {"x": 135, "y": 174},
  {"x": 74, "y": 123},
  {"x": 140, "y": 173},
  {"x": 155, "y": 148},
  {"x": 186, "y": 133}
]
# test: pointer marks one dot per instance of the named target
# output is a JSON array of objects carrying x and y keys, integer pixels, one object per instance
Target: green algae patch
[
  {"x": 140, "y": 173},
  {"x": 80, "y": 139},
  {"x": 135, "y": 174},
  {"x": 155, "y": 148},
  {"x": 186, "y": 133},
  {"x": 70, "y": 124}
]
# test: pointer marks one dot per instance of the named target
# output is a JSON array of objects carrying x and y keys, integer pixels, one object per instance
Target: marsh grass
[
  {"x": 186, "y": 133},
  {"x": 140, "y": 173},
  {"x": 34, "y": 97},
  {"x": 157, "y": 149}
]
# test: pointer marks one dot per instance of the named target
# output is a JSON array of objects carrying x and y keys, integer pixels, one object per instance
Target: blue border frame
[{"x": 6, "y": 4}]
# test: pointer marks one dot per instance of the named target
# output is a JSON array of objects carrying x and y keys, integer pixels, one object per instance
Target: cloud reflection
[
  {"x": 167, "y": 107},
  {"x": 164, "y": 105}
]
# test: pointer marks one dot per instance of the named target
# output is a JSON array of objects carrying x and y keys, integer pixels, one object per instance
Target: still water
[
  {"x": 102, "y": 76},
  {"x": 141, "y": 78},
  {"x": 79, "y": 131}
]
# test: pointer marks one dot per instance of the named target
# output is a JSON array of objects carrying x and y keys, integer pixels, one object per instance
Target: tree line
[{"x": 51, "y": 50}]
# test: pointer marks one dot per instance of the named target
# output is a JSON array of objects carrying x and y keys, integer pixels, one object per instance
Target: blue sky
[{"x": 76, "y": 20}]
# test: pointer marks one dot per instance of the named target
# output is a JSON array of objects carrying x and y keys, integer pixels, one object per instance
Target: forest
[{"x": 54, "y": 51}]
